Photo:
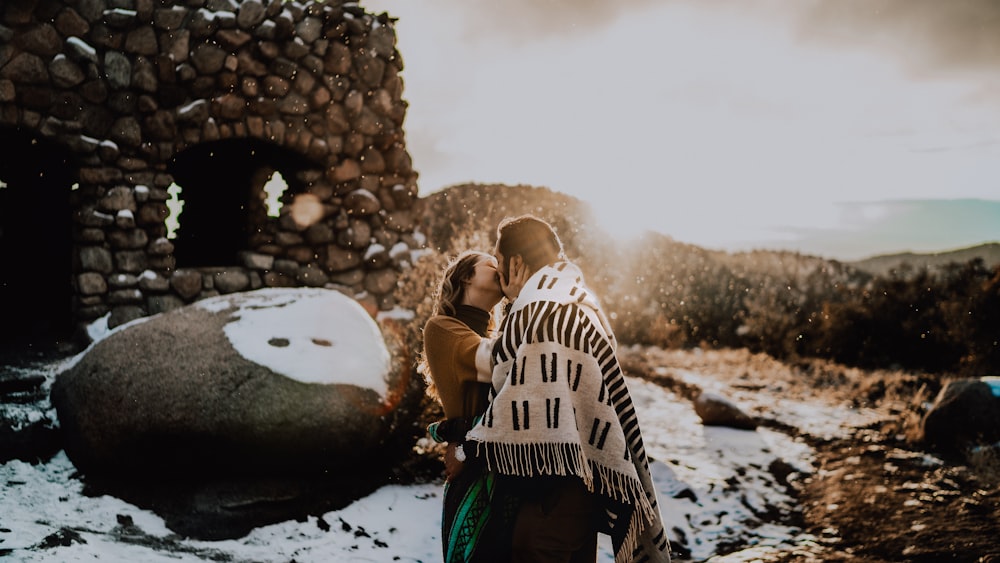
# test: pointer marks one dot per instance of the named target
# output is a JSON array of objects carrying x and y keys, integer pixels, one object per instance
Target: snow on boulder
[{"x": 274, "y": 381}]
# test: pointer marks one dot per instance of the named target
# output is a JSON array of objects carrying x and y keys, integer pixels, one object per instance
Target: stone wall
[{"x": 134, "y": 96}]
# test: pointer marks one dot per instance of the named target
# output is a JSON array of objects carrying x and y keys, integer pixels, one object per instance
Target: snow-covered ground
[{"x": 714, "y": 484}]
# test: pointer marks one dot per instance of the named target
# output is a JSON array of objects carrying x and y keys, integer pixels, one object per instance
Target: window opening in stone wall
[
  {"x": 225, "y": 200},
  {"x": 175, "y": 205},
  {"x": 35, "y": 242},
  {"x": 275, "y": 188}
]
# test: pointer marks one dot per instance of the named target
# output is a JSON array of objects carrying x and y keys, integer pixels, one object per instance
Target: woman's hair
[
  {"x": 530, "y": 237},
  {"x": 451, "y": 290},
  {"x": 448, "y": 297}
]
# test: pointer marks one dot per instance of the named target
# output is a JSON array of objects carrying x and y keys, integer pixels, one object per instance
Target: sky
[
  {"x": 402, "y": 523},
  {"x": 843, "y": 129}
]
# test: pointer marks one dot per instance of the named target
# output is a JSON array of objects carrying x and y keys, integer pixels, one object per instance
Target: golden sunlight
[{"x": 306, "y": 209}]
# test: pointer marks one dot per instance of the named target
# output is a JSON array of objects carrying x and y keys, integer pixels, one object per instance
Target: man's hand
[
  {"x": 452, "y": 466},
  {"x": 517, "y": 276}
]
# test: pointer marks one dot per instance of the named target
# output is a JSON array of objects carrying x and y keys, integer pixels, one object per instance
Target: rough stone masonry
[{"x": 118, "y": 101}]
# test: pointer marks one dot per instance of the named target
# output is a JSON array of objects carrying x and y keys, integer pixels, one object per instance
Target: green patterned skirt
[{"x": 477, "y": 519}]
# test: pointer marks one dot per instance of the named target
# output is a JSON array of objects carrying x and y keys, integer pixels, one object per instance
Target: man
[{"x": 561, "y": 426}]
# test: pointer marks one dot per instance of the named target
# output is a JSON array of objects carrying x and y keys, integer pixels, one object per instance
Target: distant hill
[
  {"x": 883, "y": 265},
  {"x": 452, "y": 215}
]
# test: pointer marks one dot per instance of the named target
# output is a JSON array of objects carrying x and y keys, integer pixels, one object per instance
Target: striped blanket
[{"x": 561, "y": 407}]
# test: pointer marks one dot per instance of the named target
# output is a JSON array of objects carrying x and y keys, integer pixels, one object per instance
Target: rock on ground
[{"x": 198, "y": 389}]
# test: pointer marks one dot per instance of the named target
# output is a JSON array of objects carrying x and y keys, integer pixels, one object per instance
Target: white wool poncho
[{"x": 561, "y": 407}]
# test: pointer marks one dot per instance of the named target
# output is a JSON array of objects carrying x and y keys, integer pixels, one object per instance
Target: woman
[{"x": 475, "y": 524}]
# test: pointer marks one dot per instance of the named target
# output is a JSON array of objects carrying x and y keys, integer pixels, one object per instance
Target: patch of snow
[
  {"x": 98, "y": 329},
  {"x": 396, "y": 313},
  {"x": 310, "y": 335},
  {"x": 814, "y": 417},
  {"x": 373, "y": 249}
]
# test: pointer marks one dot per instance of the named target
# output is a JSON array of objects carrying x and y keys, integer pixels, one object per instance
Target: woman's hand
[
  {"x": 452, "y": 466},
  {"x": 517, "y": 276}
]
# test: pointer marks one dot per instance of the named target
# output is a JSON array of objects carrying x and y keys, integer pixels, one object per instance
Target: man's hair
[{"x": 530, "y": 237}]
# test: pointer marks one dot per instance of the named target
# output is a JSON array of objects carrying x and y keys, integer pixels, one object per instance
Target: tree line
[{"x": 938, "y": 320}]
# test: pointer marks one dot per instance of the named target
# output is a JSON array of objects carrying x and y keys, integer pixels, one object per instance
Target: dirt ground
[
  {"x": 881, "y": 502},
  {"x": 874, "y": 496}
]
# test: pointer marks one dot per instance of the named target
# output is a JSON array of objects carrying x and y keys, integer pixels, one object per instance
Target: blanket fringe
[
  {"x": 629, "y": 490},
  {"x": 527, "y": 460}
]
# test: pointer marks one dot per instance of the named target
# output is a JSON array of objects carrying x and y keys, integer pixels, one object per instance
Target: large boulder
[
  {"x": 966, "y": 413},
  {"x": 274, "y": 381}
]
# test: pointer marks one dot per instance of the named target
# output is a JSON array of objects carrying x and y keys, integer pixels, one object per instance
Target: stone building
[{"x": 157, "y": 152}]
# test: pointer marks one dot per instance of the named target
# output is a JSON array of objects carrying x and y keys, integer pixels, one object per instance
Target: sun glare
[
  {"x": 306, "y": 209},
  {"x": 749, "y": 134}
]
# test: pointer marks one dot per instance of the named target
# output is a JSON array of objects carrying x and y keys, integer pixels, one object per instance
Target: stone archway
[
  {"x": 36, "y": 292},
  {"x": 212, "y": 96},
  {"x": 223, "y": 198}
]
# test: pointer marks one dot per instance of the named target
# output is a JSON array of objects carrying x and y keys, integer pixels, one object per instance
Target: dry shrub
[
  {"x": 415, "y": 293},
  {"x": 912, "y": 416},
  {"x": 416, "y": 287},
  {"x": 665, "y": 333}
]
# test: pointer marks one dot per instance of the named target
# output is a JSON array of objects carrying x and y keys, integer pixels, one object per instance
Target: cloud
[
  {"x": 926, "y": 35},
  {"x": 526, "y": 20}
]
